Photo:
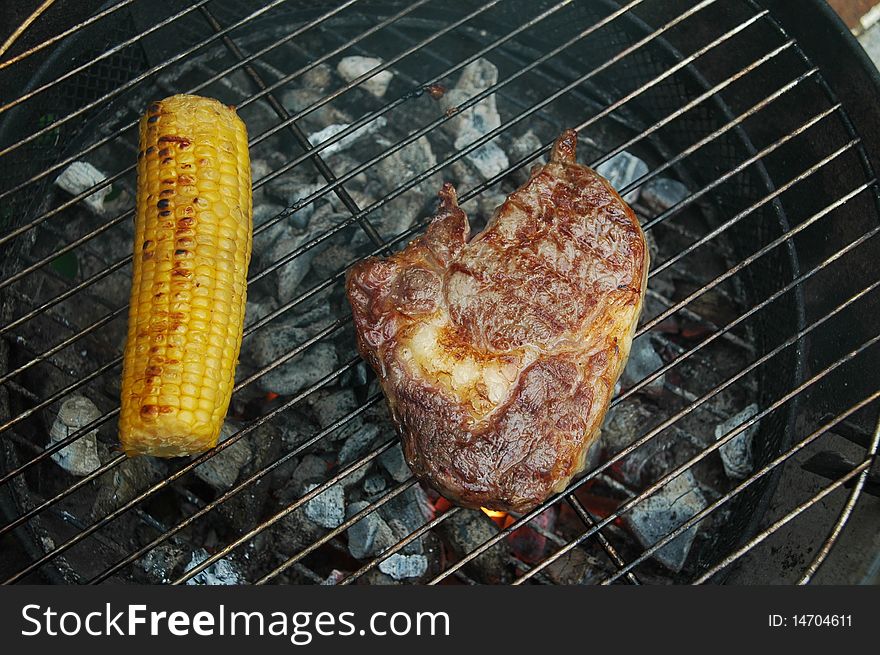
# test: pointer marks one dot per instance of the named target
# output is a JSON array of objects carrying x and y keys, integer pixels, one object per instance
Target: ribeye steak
[{"x": 499, "y": 354}]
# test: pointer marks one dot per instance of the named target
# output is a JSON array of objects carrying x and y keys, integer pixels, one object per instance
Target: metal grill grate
[{"x": 763, "y": 294}]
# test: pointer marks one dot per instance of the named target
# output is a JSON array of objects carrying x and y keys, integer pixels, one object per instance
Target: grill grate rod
[
  {"x": 730, "y": 559},
  {"x": 670, "y": 421},
  {"x": 659, "y": 429},
  {"x": 678, "y": 306},
  {"x": 590, "y": 521},
  {"x": 108, "y": 53},
  {"x": 342, "y": 134},
  {"x": 58, "y": 37},
  {"x": 330, "y": 187},
  {"x": 764, "y": 470},
  {"x": 845, "y": 514}
]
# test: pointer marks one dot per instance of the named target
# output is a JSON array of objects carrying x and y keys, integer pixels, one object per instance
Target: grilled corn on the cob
[{"x": 192, "y": 247}]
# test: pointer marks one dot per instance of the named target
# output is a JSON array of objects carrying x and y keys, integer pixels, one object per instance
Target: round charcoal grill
[{"x": 741, "y": 444}]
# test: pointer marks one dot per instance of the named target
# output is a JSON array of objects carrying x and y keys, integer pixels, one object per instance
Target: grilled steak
[{"x": 499, "y": 355}]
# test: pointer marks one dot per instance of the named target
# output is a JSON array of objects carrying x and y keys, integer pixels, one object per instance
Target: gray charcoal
[
  {"x": 260, "y": 168},
  {"x": 375, "y": 577},
  {"x": 393, "y": 461},
  {"x": 463, "y": 176},
  {"x": 317, "y": 78},
  {"x": 401, "y": 532},
  {"x": 327, "y": 509},
  {"x": 322, "y": 135},
  {"x": 331, "y": 406},
  {"x": 335, "y": 257},
  {"x": 478, "y": 120},
  {"x": 403, "y": 164},
  {"x": 400, "y": 166},
  {"x": 489, "y": 159},
  {"x": 350, "y": 68},
  {"x": 622, "y": 169},
  {"x": 358, "y": 443},
  {"x": 297, "y": 100},
  {"x": 276, "y": 339},
  {"x": 336, "y": 576},
  {"x": 222, "y": 470},
  {"x": 523, "y": 146},
  {"x": 79, "y": 177},
  {"x": 342, "y": 163},
  {"x": 465, "y": 531},
  {"x": 412, "y": 508},
  {"x": 163, "y": 562},
  {"x": 736, "y": 454},
  {"x": 397, "y": 216},
  {"x": 221, "y": 572},
  {"x": 369, "y": 536},
  {"x": 263, "y": 445},
  {"x": 300, "y": 218},
  {"x": 488, "y": 202},
  {"x": 574, "y": 567},
  {"x": 661, "y": 193},
  {"x": 128, "y": 479},
  {"x": 310, "y": 469},
  {"x": 296, "y": 532},
  {"x": 354, "y": 477},
  {"x": 658, "y": 515},
  {"x": 401, "y": 567},
  {"x": 81, "y": 456},
  {"x": 643, "y": 361},
  {"x": 265, "y": 212},
  {"x": 374, "y": 484},
  {"x": 258, "y": 309},
  {"x": 291, "y": 274}
]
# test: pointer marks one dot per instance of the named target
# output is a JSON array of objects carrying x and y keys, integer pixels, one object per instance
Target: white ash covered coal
[
  {"x": 277, "y": 339},
  {"x": 369, "y": 536},
  {"x": 221, "y": 572},
  {"x": 468, "y": 125},
  {"x": 622, "y": 170},
  {"x": 661, "y": 513},
  {"x": 351, "y": 68},
  {"x": 81, "y": 176},
  {"x": 327, "y": 509},
  {"x": 736, "y": 454},
  {"x": 81, "y": 456},
  {"x": 661, "y": 193}
]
